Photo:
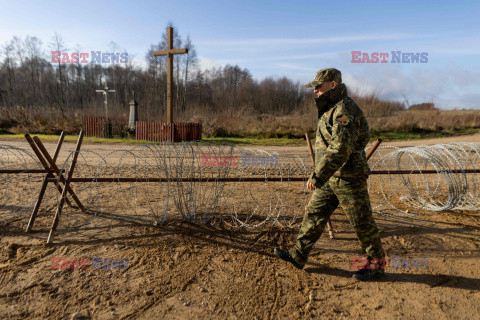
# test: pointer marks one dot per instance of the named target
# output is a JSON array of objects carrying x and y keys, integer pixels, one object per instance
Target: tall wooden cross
[{"x": 169, "y": 53}]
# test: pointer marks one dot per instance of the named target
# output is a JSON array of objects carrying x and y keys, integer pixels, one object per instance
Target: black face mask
[{"x": 326, "y": 100}]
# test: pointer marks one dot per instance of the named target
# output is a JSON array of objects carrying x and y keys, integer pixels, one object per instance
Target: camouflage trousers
[{"x": 352, "y": 195}]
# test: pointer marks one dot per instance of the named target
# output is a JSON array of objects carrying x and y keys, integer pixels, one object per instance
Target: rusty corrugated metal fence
[
  {"x": 96, "y": 127},
  {"x": 177, "y": 131},
  {"x": 148, "y": 131}
]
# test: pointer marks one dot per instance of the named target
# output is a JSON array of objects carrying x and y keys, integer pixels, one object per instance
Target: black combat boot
[
  {"x": 285, "y": 255},
  {"x": 370, "y": 271}
]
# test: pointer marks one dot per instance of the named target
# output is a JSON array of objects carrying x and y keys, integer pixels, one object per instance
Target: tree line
[{"x": 31, "y": 86}]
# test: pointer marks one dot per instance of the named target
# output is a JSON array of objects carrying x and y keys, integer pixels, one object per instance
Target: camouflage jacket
[{"x": 342, "y": 135}]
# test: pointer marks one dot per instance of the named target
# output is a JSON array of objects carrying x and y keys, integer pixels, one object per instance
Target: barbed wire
[
  {"x": 193, "y": 187},
  {"x": 209, "y": 182},
  {"x": 452, "y": 186},
  {"x": 16, "y": 191}
]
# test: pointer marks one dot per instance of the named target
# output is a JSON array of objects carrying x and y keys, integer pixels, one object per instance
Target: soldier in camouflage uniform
[{"x": 340, "y": 175}]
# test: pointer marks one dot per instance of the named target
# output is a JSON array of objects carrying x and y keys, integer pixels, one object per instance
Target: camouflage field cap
[{"x": 324, "y": 75}]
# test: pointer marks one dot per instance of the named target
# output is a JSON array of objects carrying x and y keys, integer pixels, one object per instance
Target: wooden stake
[
  {"x": 374, "y": 148},
  {"x": 43, "y": 162},
  {"x": 56, "y": 170},
  {"x": 43, "y": 188},
  {"x": 64, "y": 193}
]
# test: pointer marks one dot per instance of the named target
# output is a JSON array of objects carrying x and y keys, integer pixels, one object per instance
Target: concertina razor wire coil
[{"x": 206, "y": 182}]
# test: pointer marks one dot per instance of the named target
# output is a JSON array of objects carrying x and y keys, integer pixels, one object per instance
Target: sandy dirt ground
[{"x": 187, "y": 270}]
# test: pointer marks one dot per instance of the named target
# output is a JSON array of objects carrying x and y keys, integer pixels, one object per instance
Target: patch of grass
[
  {"x": 251, "y": 140},
  {"x": 261, "y": 140},
  {"x": 258, "y": 140},
  {"x": 420, "y": 134},
  {"x": 72, "y": 138}
]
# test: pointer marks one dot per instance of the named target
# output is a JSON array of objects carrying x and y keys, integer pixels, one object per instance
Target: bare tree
[
  {"x": 58, "y": 44},
  {"x": 29, "y": 80},
  {"x": 190, "y": 62},
  {"x": 9, "y": 64},
  {"x": 34, "y": 54}
]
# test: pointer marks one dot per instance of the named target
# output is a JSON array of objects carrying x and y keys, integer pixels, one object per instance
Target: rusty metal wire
[
  {"x": 451, "y": 187},
  {"x": 194, "y": 188},
  {"x": 16, "y": 191},
  {"x": 207, "y": 182}
]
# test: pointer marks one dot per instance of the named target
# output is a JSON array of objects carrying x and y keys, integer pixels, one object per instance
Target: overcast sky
[{"x": 284, "y": 38}]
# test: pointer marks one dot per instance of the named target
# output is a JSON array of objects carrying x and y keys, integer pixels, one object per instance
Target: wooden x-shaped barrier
[{"x": 54, "y": 174}]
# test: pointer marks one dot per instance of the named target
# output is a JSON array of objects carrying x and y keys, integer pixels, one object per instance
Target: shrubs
[
  {"x": 383, "y": 116},
  {"x": 46, "y": 120},
  {"x": 423, "y": 106},
  {"x": 373, "y": 107},
  {"x": 212, "y": 130},
  {"x": 295, "y": 125}
]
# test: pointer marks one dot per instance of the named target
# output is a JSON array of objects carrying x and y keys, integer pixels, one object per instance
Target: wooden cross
[{"x": 169, "y": 53}]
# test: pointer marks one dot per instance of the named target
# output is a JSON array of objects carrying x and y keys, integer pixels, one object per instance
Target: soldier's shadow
[{"x": 432, "y": 280}]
